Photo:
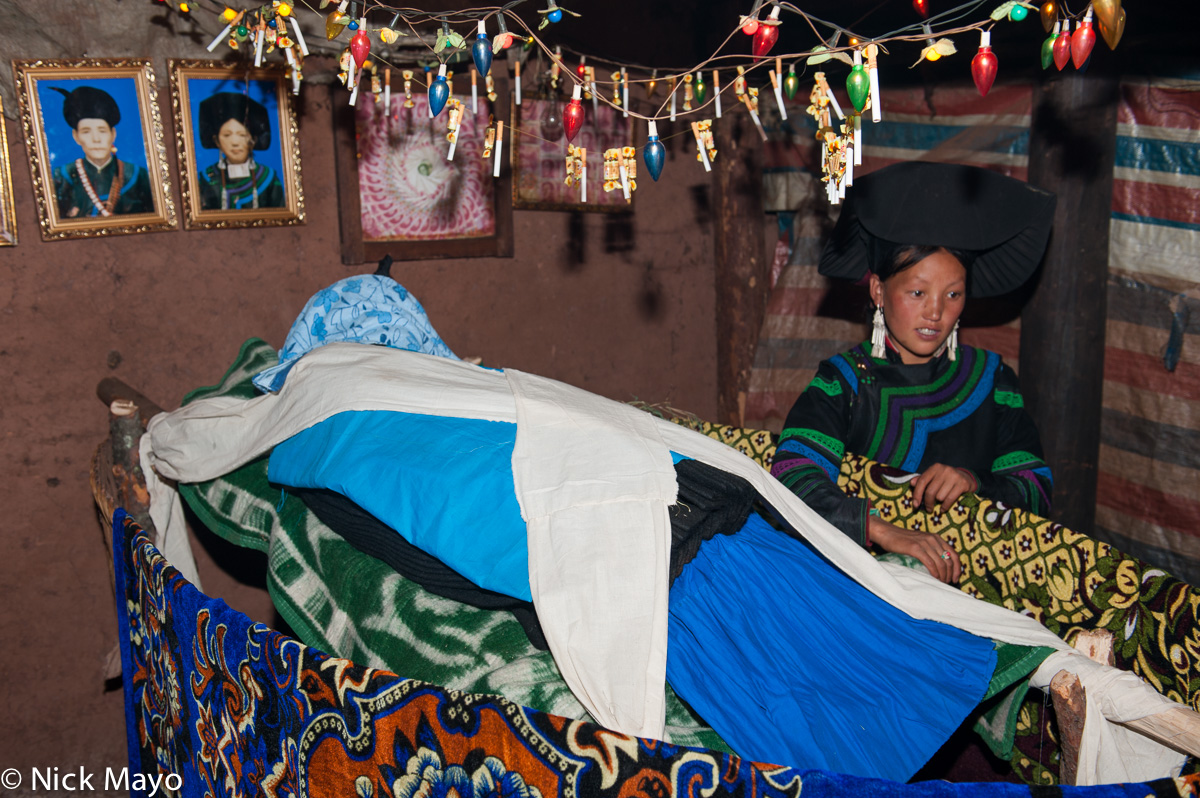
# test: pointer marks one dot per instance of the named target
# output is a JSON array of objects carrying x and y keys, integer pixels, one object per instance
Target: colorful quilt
[{"x": 219, "y": 705}]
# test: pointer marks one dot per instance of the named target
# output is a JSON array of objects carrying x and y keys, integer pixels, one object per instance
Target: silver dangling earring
[
  {"x": 878, "y": 333},
  {"x": 952, "y": 343}
]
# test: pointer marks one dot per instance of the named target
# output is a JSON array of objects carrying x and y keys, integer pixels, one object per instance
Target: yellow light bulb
[
  {"x": 283, "y": 9},
  {"x": 854, "y": 41},
  {"x": 228, "y": 14},
  {"x": 932, "y": 54},
  {"x": 183, "y": 8}
]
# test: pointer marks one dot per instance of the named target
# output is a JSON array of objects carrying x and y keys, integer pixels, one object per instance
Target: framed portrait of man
[
  {"x": 95, "y": 142},
  {"x": 238, "y": 145}
]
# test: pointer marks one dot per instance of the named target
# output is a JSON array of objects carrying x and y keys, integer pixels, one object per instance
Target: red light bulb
[
  {"x": 984, "y": 64},
  {"x": 750, "y": 26},
  {"x": 1062, "y": 47},
  {"x": 573, "y": 114},
  {"x": 581, "y": 70},
  {"x": 1083, "y": 41},
  {"x": 766, "y": 35},
  {"x": 921, "y": 7},
  {"x": 360, "y": 47}
]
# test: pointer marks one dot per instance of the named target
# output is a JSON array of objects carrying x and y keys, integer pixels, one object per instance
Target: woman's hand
[
  {"x": 938, "y": 556},
  {"x": 941, "y": 484}
]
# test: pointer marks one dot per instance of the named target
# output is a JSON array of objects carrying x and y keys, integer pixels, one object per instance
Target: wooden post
[
  {"x": 742, "y": 268},
  {"x": 1072, "y": 146}
]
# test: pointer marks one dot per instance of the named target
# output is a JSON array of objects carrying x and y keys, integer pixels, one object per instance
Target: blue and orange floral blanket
[{"x": 218, "y": 705}]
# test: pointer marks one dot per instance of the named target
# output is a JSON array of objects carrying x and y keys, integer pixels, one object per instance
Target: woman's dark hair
[{"x": 898, "y": 257}]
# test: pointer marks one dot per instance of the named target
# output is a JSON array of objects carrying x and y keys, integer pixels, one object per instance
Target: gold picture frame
[
  {"x": 74, "y": 113},
  {"x": 8, "y": 217},
  {"x": 226, "y": 182}
]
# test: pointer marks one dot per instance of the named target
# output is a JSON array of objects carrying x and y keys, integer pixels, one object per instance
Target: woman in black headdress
[
  {"x": 927, "y": 236},
  {"x": 97, "y": 184},
  {"x": 236, "y": 126}
]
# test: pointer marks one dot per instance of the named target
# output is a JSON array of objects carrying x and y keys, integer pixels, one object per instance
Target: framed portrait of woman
[
  {"x": 238, "y": 145},
  {"x": 95, "y": 142}
]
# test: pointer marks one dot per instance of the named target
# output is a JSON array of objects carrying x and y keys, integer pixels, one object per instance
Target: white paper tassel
[
  {"x": 717, "y": 92},
  {"x": 258, "y": 47},
  {"x": 858, "y": 146},
  {"x": 499, "y": 147},
  {"x": 213, "y": 44},
  {"x": 299, "y": 36},
  {"x": 624, "y": 98}
]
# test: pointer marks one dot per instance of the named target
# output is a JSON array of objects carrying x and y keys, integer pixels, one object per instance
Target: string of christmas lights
[{"x": 434, "y": 38}]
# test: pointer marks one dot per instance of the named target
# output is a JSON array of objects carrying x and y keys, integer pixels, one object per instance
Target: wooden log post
[
  {"x": 1072, "y": 147},
  {"x": 742, "y": 267},
  {"x": 1070, "y": 712}
]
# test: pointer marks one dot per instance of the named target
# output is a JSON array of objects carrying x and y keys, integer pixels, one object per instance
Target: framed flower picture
[{"x": 412, "y": 188}]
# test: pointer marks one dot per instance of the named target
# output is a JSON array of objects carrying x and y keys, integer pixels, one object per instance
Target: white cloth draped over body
[{"x": 594, "y": 480}]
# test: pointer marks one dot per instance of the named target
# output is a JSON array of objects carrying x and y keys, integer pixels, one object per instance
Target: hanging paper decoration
[
  {"x": 454, "y": 115},
  {"x": 748, "y": 95},
  {"x": 825, "y": 95},
  {"x": 984, "y": 64},
  {"x": 408, "y": 79},
  {"x": 687, "y": 92},
  {"x": 1083, "y": 41},
  {"x": 706, "y": 147},
  {"x": 490, "y": 84},
  {"x": 620, "y": 169},
  {"x": 654, "y": 153},
  {"x": 489, "y": 139},
  {"x": 577, "y": 169}
]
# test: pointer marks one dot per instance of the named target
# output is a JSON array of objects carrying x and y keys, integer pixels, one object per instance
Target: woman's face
[
  {"x": 235, "y": 141},
  {"x": 921, "y": 304}
]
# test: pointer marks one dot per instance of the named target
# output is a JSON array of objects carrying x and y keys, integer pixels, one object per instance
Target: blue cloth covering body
[
  {"x": 790, "y": 660},
  {"x": 369, "y": 309}
]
